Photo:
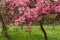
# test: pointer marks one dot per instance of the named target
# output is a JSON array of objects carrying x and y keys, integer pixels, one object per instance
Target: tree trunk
[
  {"x": 4, "y": 29},
  {"x": 41, "y": 25},
  {"x": 21, "y": 27},
  {"x": 53, "y": 24}
]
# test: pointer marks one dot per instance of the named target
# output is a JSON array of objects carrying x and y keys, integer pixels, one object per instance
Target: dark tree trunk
[
  {"x": 4, "y": 29},
  {"x": 21, "y": 27},
  {"x": 41, "y": 25}
]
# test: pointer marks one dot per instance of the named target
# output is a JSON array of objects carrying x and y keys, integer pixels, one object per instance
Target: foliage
[{"x": 20, "y": 11}]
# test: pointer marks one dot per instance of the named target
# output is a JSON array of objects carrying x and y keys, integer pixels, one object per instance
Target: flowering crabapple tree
[
  {"x": 56, "y": 11},
  {"x": 21, "y": 11}
]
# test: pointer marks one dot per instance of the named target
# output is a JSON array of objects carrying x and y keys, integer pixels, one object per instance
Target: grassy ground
[{"x": 37, "y": 34}]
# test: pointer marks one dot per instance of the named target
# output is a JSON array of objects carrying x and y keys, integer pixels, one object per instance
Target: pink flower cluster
[{"x": 31, "y": 14}]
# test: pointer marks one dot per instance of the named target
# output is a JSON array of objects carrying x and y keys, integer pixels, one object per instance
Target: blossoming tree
[{"x": 21, "y": 10}]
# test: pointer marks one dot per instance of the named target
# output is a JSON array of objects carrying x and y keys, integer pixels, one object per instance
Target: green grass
[{"x": 37, "y": 34}]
